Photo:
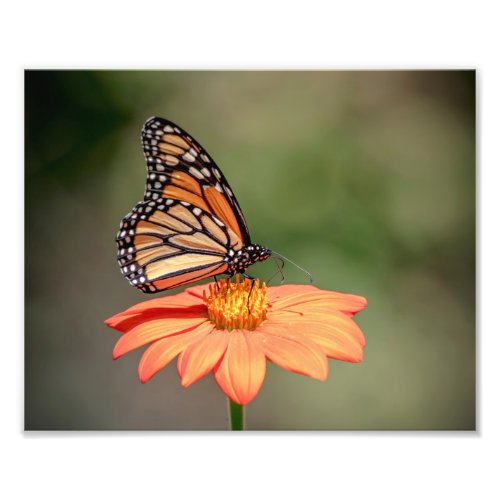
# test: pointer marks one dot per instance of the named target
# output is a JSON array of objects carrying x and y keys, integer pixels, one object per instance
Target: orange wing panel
[
  {"x": 147, "y": 255},
  {"x": 185, "y": 181},
  {"x": 148, "y": 227},
  {"x": 143, "y": 241},
  {"x": 222, "y": 209},
  {"x": 189, "y": 277},
  {"x": 177, "y": 193},
  {"x": 179, "y": 263}
]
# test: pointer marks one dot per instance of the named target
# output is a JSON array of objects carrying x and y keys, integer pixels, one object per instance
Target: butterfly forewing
[{"x": 180, "y": 168}]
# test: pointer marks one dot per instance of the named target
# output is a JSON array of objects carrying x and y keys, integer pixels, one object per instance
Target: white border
[{"x": 263, "y": 35}]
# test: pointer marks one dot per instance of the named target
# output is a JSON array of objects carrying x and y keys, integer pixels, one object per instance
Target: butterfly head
[{"x": 238, "y": 261}]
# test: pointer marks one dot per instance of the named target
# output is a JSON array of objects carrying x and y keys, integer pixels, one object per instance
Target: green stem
[{"x": 236, "y": 415}]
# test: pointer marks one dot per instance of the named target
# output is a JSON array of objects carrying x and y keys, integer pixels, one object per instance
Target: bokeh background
[{"x": 366, "y": 179}]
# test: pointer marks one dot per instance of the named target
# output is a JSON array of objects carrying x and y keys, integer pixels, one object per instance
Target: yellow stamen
[{"x": 237, "y": 306}]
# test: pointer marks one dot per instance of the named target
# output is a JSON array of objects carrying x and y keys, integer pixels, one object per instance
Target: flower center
[{"x": 237, "y": 306}]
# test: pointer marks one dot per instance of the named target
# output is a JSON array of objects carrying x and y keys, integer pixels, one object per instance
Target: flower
[{"x": 232, "y": 328}]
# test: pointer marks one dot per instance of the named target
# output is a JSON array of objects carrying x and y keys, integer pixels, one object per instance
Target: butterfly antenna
[{"x": 297, "y": 266}]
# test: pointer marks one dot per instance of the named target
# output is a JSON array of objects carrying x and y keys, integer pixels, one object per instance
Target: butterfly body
[
  {"x": 237, "y": 262},
  {"x": 189, "y": 225}
]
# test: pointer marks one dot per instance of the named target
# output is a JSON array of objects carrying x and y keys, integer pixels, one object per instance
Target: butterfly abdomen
[{"x": 237, "y": 262}]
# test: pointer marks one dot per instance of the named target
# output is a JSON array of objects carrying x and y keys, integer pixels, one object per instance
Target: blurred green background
[{"x": 366, "y": 179}]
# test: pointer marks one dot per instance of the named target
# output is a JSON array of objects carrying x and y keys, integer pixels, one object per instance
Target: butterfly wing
[
  {"x": 189, "y": 221},
  {"x": 166, "y": 243},
  {"x": 179, "y": 168}
]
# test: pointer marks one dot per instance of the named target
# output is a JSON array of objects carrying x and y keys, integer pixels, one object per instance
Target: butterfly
[{"x": 189, "y": 225}]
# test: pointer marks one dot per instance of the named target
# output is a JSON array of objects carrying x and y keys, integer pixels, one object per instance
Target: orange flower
[{"x": 231, "y": 328}]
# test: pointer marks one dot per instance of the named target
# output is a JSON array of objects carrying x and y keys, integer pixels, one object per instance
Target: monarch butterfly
[{"x": 189, "y": 225}]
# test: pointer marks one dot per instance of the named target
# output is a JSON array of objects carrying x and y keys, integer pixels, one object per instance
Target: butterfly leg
[
  {"x": 245, "y": 275},
  {"x": 228, "y": 283},
  {"x": 279, "y": 271},
  {"x": 216, "y": 282}
]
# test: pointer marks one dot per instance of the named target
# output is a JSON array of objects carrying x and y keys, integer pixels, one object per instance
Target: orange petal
[
  {"x": 241, "y": 372},
  {"x": 286, "y": 296},
  {"x": 291, "y": 350},
  {"x": 123, "y": 322},
  {"x": 182, "y": 299},
  {"x": 201, "y": 357},
  {"x": 312, "y": 306},
  {"x": 197, "y": 291},
  {"x": 180, "y": 303},
  {"x": 180, "y": 362},
  {"x": 300, "y": 321},
  {"x": 336, "y": 342},
  {"x": 150, "y": 331},
  {"x": 161, "y": 352}
]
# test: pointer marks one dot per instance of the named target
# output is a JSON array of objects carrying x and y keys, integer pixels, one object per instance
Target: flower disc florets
[{"x": 237, "y": 306}]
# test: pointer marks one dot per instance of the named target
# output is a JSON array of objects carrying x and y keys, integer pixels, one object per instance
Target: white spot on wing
[
  {"x": 171, "y": 160},
  {"x": 195, "y": 172},
  {"x": 188, "y": 157}
]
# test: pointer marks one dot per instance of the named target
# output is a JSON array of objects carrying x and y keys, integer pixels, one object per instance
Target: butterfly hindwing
[{"x": 165, "y": 243}]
